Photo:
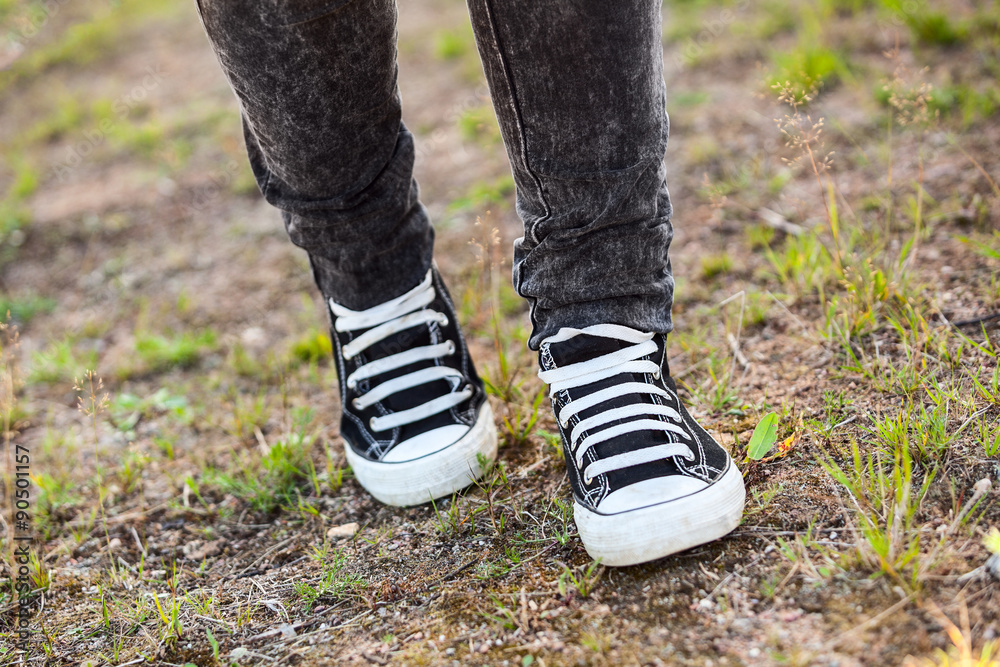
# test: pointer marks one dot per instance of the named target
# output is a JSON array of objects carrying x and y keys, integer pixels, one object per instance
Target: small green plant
[
  {"x": 479, "y": 124},
  {"x": 127, "y": 409},
  {"x": 988, "y": 388},
  {"x": 333, "y": 583},
  {"x": 809, "y": 67},
  {"x": 313, "y": 347},
  {"x": 213, "y": 642},
  {"x": 988, "y": 435},
  {"x": 716, "y": 265},
  {"x": 159, "y": 353},
  {"x": 484, "y": 194},
  {"x": 452, "y": 44},
  {"x": 275, "y": 478},
  {"x": 503, "y": 615},
  {"x": 886, "y": 494},
  {"x": 23, "y": 309},
  {"x": 585, "y": 583},
  {"x": 61, "y": 362}
]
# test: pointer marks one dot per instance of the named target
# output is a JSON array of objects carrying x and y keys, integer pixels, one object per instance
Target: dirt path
[{"x": 197, "y": 508}]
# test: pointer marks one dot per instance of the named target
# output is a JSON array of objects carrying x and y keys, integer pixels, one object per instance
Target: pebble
[{"x": 341, "y": 532}]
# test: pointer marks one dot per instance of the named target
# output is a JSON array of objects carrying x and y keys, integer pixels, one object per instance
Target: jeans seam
[{"x": 518, "y": 120}]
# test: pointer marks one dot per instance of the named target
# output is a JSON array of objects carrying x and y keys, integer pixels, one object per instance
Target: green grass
[
  {"x": 483, "y": 195},
  {"x": 86, "y": 42},
  {"x": 157, "y": 353},
  {"x": 716, "y": 265},
  {"x": 314, "y": 347},
  {"x": 24, "y": 308},
  {"x": 480, "y": 125},
  {"x": 809, "y": 67},
  {"x": 276, "y": 478},
  {"x": 333, "y": 583},
  {"x": 61, "y": 361},
  {"x": 453, "y": 44}
]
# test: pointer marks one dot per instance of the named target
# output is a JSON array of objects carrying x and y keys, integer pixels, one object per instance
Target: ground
[{"x": 169, "y": 401}]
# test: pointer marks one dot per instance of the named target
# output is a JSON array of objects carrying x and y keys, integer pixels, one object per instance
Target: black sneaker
[
  {"x": 416, "y": 420},
  {"x": 647, "y": 480}
]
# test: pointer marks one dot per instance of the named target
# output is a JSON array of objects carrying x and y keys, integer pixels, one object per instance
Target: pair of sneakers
[{"x": 647, "y": 480}]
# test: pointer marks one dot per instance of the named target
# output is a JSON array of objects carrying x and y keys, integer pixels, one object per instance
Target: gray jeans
[{"x": 578, "y": 90}]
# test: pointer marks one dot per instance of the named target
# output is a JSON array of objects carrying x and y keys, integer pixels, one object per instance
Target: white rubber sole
[
  {"x": 429, "y": 477},
  {"x": 648, "y": 533}
]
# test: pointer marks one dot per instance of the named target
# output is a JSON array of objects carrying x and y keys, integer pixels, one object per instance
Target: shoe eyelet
[{"x": 587, "y": 480}]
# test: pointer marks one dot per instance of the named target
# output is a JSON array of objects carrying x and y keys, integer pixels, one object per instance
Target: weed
[
  {"x": 716, "y": 265},
  {"x": 885, "y": 501},
  {"x": 313, "y": 347},
  {"x": 159, "y": 353},
  {"x": 807, "y": 68},
  {"x": 988, "y": 435},
  {"x": 452, "y": 44},
  {"x": 127, "y": 409},
  {"x": 716, "y": 393},
  {"x": 23, "y": 309},
  {"x": 61, "y": 362},
  {"x": 989, "y": 388},
  {"x": 585, "y": 583},
  {"x": 54, "y": 496},
  {"x": 333, "y": 583},
  {"x": 479, "y": 124},
  {"x": 83, "y": 43},
  {"x": 503, "y": 616},
  {"x": 484, "y": 194},
  {"x": 519, "y": 427},
  {"x": 275, "y": 478}
]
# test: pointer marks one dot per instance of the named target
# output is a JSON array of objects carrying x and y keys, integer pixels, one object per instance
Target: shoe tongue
[
  {"x": 583, "y": 347},
  {"x": 407, "y": 339}
]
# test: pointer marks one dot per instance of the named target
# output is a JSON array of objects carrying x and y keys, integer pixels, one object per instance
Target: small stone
[
  {"x": 254, "y": 338},
  {"x": 449, "y": 651},
  {"x": 344, "y": 531},
  {"x": 754, "y": 652},
  {"x": 198, "y": 551},
  {"x": 993, "y": 565}
]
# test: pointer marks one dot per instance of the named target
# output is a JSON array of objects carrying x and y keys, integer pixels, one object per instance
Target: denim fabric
[{"x": 578, "y": 90}]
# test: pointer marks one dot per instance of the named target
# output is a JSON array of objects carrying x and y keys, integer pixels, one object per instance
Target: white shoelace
[
  {"x": 626, "y": 360},
  {"x": 382, "y": 321}
]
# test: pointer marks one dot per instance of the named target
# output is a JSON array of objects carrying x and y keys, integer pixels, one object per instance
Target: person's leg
[
  {"x": 579, "y": 95},
  {"x": 316, "y": 81},
  {"x": 578, "y": 90}
]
